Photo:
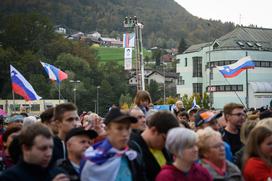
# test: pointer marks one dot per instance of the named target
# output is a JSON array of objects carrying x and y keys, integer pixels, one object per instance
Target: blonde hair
[
  {"x": 265, "y": 122},
  {"x": 203, "y": 136},
  {"x": 245, "y": 130}
]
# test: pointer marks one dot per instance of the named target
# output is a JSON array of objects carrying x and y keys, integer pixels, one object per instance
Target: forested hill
[{"x": 165, "y": 21}]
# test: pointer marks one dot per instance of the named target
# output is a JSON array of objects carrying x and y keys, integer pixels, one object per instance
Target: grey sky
[{"x": 257, "y": 12}]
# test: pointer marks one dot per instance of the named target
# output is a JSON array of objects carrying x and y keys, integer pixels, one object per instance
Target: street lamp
[
  {"x": 75, "y": 82},
  {"x": 97, "y": 99}
]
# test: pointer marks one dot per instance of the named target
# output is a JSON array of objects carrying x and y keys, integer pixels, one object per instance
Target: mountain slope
[{"x": 165, "y": 21}]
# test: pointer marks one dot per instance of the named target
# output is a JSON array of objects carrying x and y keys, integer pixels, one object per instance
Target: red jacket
[
  {"x": 257, "y": 170},
  {"x": 171, "y": 173}
]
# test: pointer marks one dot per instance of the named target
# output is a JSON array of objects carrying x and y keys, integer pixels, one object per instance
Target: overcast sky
[{"x": 257, "y": 12}]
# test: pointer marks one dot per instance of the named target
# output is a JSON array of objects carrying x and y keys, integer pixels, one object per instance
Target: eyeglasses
[{"x": 239, "y": 114}]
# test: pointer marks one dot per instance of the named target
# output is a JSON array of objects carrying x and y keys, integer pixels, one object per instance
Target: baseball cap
[
  {"x": 80, "y": 131},
  {"x": 116, "y": 115},
  {"x": 202, "y": 117}
]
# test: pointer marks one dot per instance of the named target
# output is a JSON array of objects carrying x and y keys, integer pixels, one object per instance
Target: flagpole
[
  {"x": 13, "y": 98},
  {"x": 59, "y": 93},
  {"x": 235, "y": 93},
  {"x": 247, "y": 103}
]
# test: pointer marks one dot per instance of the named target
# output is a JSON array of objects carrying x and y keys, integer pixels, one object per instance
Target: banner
[
  {"x": 128, "y": 40},
  {"x": 128, "y": 58}
]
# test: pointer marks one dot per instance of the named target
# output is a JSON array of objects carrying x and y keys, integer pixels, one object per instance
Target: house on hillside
[
  {"x": 170, "y": 78},
  {"x": 111, "y": 42},
  {"x": 198, "y": 72}
]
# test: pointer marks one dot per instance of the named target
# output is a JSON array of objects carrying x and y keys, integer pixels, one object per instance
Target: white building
[
  {"x": 198, "y": 73},
  {"x": 31, "y": 107}
]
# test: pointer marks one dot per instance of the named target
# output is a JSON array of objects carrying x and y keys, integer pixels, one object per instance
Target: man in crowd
[
  {"x": 47, "y": 118},
  {"x": 141, "y": 123},
  {"x": 235, "y": 117},
  {"x": 150, "y": 143},
  {"x": 37, "y": 144},
  {"x": 66, "y": 117},
  {"x": 77, "y": 141}
]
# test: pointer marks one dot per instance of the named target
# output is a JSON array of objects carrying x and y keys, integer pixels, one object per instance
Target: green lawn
[{"x": 105, "y": 54}]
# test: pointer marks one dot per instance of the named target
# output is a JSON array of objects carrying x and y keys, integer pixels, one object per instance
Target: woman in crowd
[
  {"x": 181, "y": 142},
  {"x": 143, "y": 100},
  {"x": 245, "y": 130},
  {"x": 212, "y": 154},
  {"x": 179, "y": 107},
  {"x": 258, "y": 154}
]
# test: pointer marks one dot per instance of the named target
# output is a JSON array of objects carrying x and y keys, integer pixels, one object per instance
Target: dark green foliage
[
  {"x": 164, "y": 20},
  {"x": 182, "y": 46},
  {"x": 75, "y": 58}
]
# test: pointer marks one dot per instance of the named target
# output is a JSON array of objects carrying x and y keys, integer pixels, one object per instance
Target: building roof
[
  {"x": 167, "y": 74},
  {"x": 246, "y": 38},
  {"x": 196, "y": 47}
]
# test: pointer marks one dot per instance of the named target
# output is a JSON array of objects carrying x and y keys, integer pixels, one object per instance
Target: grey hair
[{"x": 179, "y": 139}]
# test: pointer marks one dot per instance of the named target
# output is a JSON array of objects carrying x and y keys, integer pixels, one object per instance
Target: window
[
  {"x": 220, "y": 63},
  {"x": 211, "y": 74},
  {"x": 180, "y": 81},
  {"x": 16, "y": 107},
  {"x": 227, "y": 88},
  {"x": 249, "y": 44},
  {"x": 197, "y": 66},
  {"x": 241, "y": 44},
  {"x": 35, "y": 107},
  {"x": 185, "y": 63},
  {"x": 197, "y": 88},
  {"x": 258, "y": 45}
]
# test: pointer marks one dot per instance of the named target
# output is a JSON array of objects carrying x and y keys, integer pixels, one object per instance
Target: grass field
[{"x": 105, "y": 54}]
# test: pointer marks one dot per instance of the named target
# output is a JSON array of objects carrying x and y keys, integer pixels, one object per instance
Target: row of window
[
  {"x": 224, "y": 88},
  {"x": 32, "y": 107},
  {"x": 266, "y": 64}
]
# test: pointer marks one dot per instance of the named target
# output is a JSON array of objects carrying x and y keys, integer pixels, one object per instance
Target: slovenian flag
[
  {"x": 232, "y": 70},
  {"x": 21, "y": 86},
  {"x": 128, "y": 40},
  {"x": 54, "y": 73}
]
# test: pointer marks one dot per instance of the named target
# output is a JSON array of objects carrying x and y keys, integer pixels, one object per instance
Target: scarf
[{"x": 102, "y": 161}]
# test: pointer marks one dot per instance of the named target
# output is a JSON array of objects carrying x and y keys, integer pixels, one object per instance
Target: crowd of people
[{"x": 138, "y": 144}]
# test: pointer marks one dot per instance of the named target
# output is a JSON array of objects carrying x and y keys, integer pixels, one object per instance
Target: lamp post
[
  {"x": 97, "y": 99},
  {"x": 75, "y": 82}
]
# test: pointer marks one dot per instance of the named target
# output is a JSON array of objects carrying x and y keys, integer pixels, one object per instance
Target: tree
[
  {"x": 26, "y": 32},
  {"x": 182, "y": 45},
  {"x": 154, "y": 90}
]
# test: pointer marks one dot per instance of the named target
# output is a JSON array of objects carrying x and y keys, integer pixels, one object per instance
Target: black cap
[
  {"x": 115, "y": 115},
  {"x": 80, "y": 131}
]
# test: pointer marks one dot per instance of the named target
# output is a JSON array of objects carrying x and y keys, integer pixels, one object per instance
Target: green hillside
[
  {"x": 165, "y": 21},
  {"x": 105, "y": 54}
]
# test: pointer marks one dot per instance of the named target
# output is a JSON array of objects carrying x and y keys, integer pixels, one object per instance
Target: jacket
[
  {"x": 232, "y": 172},
  {"x": 24, "y": 171},
  {"x": 149, "y": 162},
  {"x": 67, "y": 166},
  {"x": 196, "y": 173}
]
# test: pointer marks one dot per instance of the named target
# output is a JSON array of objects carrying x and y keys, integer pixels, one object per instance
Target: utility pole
[{"x": 133, "y": 23}]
